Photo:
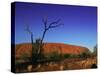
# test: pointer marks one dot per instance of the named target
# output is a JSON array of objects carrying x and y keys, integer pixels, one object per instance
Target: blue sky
[{"x": 80, "y": 23}]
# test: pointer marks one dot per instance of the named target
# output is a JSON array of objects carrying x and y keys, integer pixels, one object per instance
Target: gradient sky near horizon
[{"x": 80, "y": 23}]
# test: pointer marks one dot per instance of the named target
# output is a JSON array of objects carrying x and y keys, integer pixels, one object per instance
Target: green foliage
[
  {"x": 67, "y": 55},
  {"x": 37, "y": 54},
  {"x": 24, "y": 56},
  {"x": 16, "y": 62},
  {"x": 95, "y": 50},
  {"x": 54, "y": 56},
  {"x": 35, "y": 49},
  {"x": 85, "y": 54},
  {"x": 70, "y": 56},
  {"x": 74, "y": 56}
]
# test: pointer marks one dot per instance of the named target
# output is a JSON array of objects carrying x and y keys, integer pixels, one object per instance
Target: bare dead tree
[
  {"x": 30, "y": 32},
  {"x": 47, "y": 27},
  {"x": 33, "y": 60}
]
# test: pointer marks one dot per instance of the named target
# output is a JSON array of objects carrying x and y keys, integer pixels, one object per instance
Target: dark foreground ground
[{"x": 66, "y": 64}]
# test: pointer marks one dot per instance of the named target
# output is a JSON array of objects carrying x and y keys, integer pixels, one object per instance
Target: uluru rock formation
[{"x": 50, "y": 47}]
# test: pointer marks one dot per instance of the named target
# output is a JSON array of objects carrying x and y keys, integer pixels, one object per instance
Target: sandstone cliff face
[{"x": 50, "y": 47}]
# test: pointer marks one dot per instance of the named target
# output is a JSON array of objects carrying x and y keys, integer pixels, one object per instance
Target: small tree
[
  {"x": 54, "y": 56},
  {"x": 85, "y": 54},
  {"x": 40, "y": 54},
  {"x": 67, "y": 55},
  {"x": 95, "y": 50},
  {"x": 38, "y": 48},
  {"x": 34, "y": 52}
]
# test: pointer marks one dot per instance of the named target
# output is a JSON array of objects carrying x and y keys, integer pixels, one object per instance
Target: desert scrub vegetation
[
  {"x": 70, "y": 56},
  {"x": 54, "y": 56},
  {"x": 94, "y": 53},
  {"x": 24, "y": 56}
]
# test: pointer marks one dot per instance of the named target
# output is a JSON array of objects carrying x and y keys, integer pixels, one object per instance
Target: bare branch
[
  {"x": 55, "y": 26},
  {"x": 55, "y": 22},
  {"x": 45, "y": 22},
  {"x": 51, "y": 25}
]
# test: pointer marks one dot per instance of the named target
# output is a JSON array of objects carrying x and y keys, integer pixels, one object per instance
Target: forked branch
[{"x": 51, "y": 25}]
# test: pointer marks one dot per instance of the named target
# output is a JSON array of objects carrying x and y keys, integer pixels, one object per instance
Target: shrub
[
  {"x": 54, "y": 56},
  {"x": 24, "y": 56},
  {"x": 37, "y": 52},
  {"x": 95, "y": 51},
  {"x": 67, "y": 55},
  {"x": 74, "y": 56},
  {"x": 85, "y": 54}
]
